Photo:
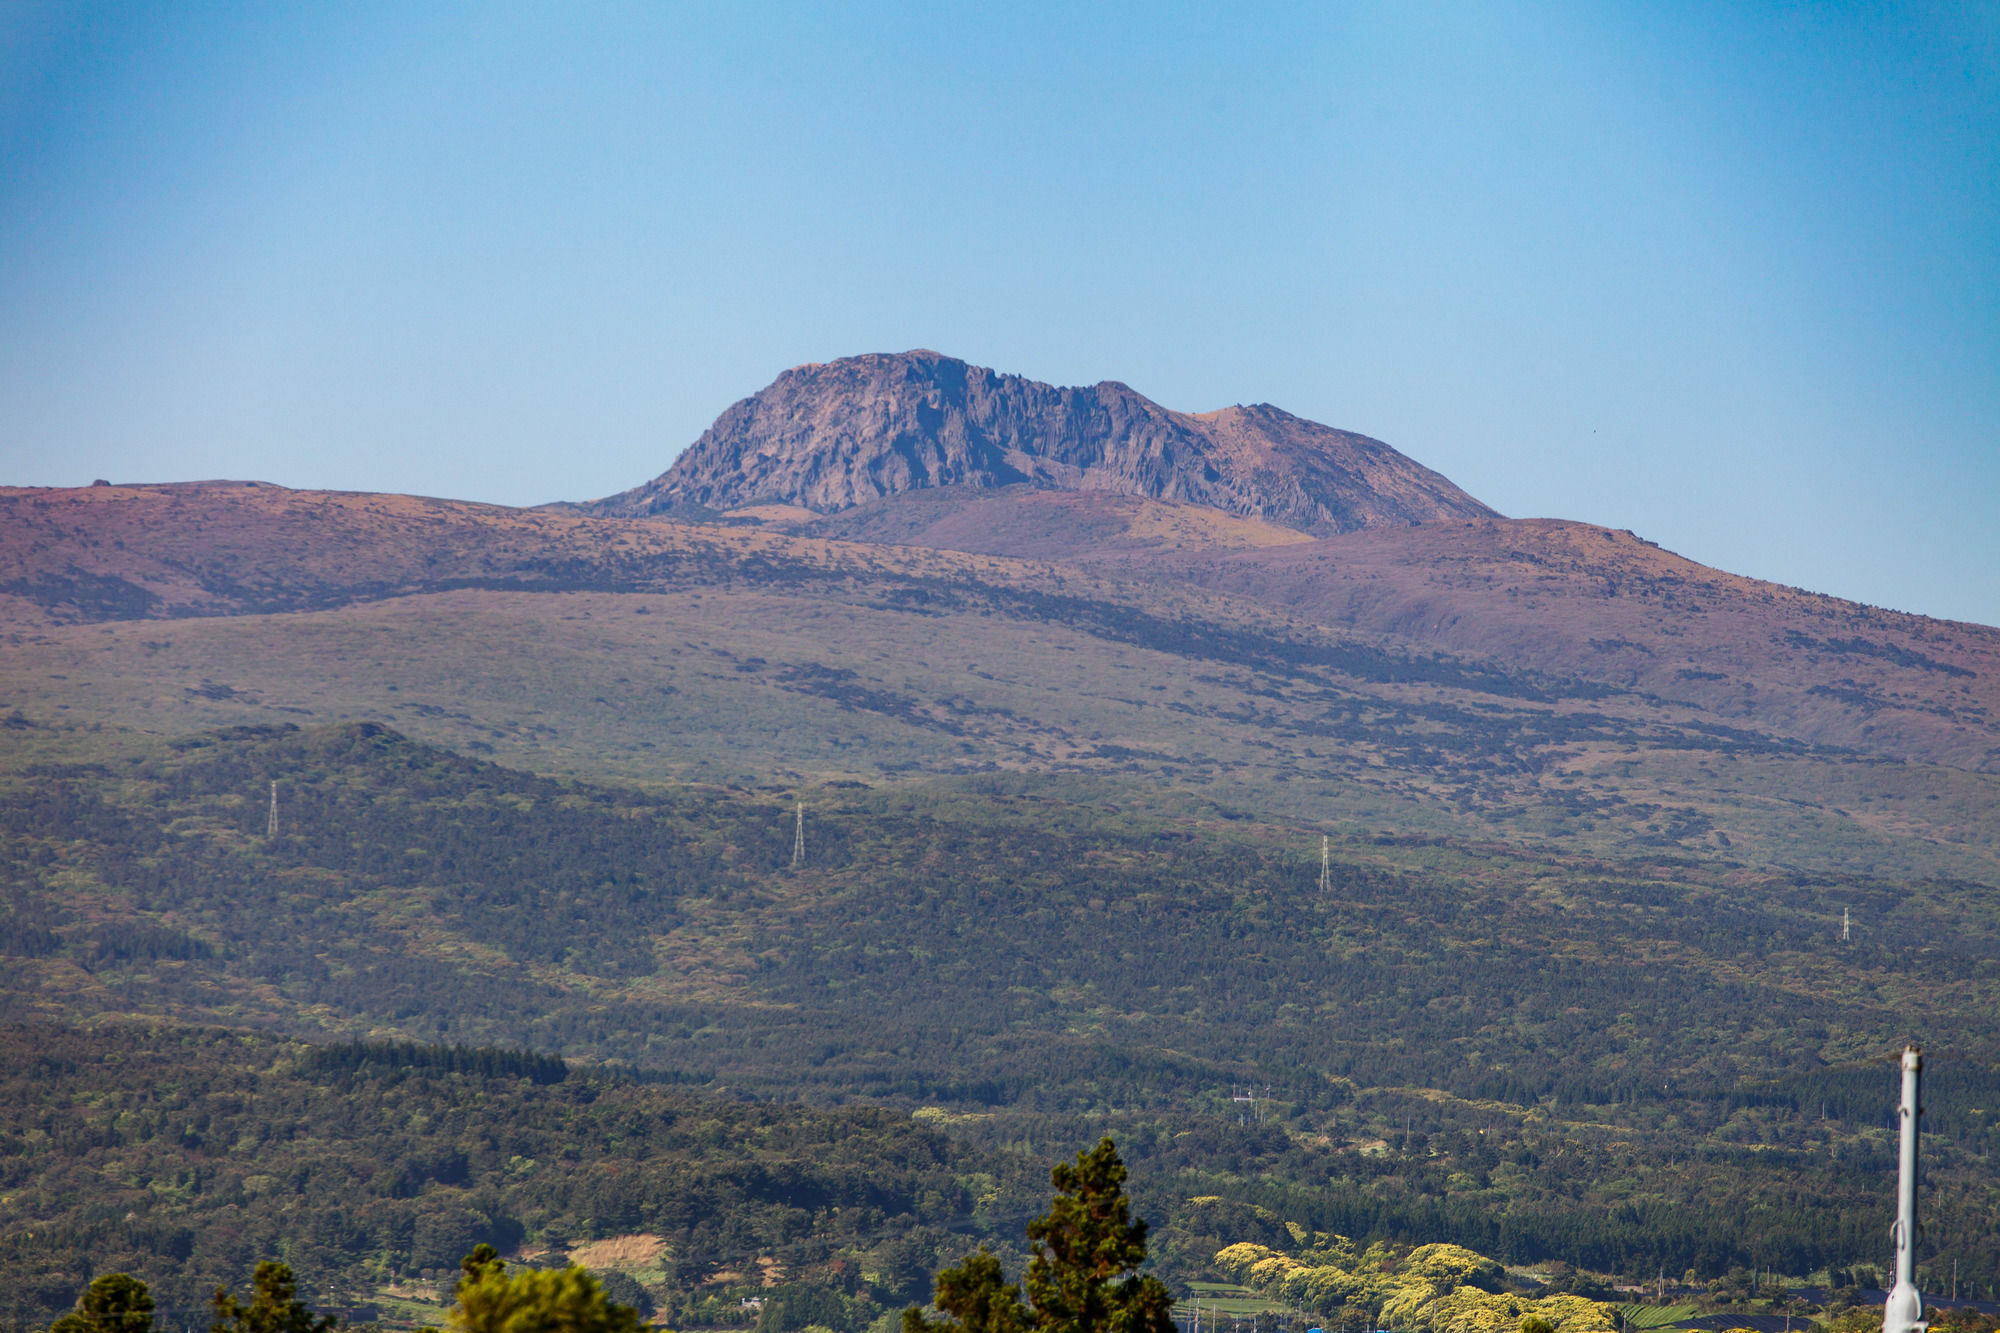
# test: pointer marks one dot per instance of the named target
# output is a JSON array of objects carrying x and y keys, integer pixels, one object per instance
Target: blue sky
[{"x": 1728, "y": 275}]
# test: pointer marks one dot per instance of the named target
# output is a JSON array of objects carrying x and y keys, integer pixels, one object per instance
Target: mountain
[
  {"x": 1587, "y": 602},
  {"x": 1565, "y": 599},
  {"x": 1530, "y": 680},
  {"x": 1514, "y": 860},
  {"x": 1031, "y": 523},
  {"x": 828, "y": 437}
]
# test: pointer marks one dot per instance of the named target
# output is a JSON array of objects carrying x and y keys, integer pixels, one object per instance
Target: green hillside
[
  {"x": 186, "y": 1155},
  {"x": 1618, "y": 1064}
]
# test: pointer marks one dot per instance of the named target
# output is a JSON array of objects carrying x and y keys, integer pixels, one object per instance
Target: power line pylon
[
  {"x": 799, "y": 836},
  {"x": 271, "y": 831},
  {"x": 1325, "y": 867}
]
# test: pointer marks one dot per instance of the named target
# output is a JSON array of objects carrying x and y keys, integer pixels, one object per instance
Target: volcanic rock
[{"x": 831, "y": 436}]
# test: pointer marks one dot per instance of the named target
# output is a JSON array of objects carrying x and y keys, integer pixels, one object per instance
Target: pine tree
[
  {"x": 114, "y": 1303},
  {"x": 274, "y": 1306},
  {"x": 1083, "y": 1278}
]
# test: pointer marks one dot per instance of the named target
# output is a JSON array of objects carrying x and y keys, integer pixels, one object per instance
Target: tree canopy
[
  {"x": 1083, "y": 1277},
  {"x": 274, "y": 1306},
  {"x": 568, "y": 1300},
  {"x": 114, "y": 1303}
]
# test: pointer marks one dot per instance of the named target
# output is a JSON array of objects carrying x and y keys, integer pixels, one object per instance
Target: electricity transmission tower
[
  {"x": 799, "y": 836},
  {"x": 272, "y": 830},
  {"x": 1846, "y": 926},
  {"x": 1325, "y": 867}
]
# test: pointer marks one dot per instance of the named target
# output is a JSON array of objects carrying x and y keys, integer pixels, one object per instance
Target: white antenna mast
[
  {"x": 272, "y": 831},
  {"x": 799, "y": 836},
  {"x": 1904, "y": 1310}
]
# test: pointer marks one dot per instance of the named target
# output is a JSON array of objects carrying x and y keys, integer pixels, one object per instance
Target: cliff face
[{"x": 829, "y": 437}]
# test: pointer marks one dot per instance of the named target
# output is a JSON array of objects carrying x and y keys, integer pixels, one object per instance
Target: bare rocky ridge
[{"x": 831, "y": 437}]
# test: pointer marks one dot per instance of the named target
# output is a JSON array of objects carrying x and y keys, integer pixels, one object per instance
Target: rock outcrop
[{"x": 829, "y": 437}]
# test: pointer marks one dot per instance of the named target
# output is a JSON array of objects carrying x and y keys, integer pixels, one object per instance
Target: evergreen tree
[
  {"x": 274, "y": 1306},
  {"x": 1084, "y": 1276},
  {"x": 977, "y": 1296},
  {"x": 114, "y": 1303}
]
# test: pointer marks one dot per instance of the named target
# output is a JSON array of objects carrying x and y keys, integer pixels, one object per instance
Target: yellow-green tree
[{"x": 492, "y": 1300}]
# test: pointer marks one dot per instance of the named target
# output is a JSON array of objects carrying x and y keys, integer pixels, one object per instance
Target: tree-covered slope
[
  {"x": 408, "y": 886},
  {"x": 1617, "y": 1063},
  {"x": 186, "y": 1155}
]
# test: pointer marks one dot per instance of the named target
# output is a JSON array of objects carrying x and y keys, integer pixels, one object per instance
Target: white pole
[{"x": 1904, "y": 1310}]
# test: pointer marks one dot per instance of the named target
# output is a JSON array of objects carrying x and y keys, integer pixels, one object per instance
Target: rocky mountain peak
[{"x": 829, "y": 436}]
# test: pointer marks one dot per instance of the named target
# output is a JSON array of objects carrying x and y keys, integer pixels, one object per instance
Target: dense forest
[
  {"x": 1627, "y": 1066},
  {"x": 186, "y": 1155}
]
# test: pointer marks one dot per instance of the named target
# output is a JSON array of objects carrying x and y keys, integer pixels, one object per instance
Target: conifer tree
[
  {"x": 1083, "y": 1278},
  {"x": 274, "y": 1306},
  {"x": 114, "y": 1303}
]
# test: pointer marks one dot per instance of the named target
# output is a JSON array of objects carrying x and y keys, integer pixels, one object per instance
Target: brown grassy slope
[
  {"x": 1572, "y": 599},
  {"x": 1046, "y": 525},
  {"x": 753, "y": 685},
  {"x": 682, "y": 650},
  {"x": 101, "y": 553},
  {"x": 1561, "y": 598}
]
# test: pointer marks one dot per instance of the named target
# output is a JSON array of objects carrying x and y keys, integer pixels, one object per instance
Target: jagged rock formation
[{"x": 829, "y": 437}]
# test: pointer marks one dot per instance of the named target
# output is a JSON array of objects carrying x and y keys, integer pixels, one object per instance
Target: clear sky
[{"x": 1725, "y": 274}]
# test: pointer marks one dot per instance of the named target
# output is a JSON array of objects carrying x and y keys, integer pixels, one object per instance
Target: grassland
[
  {"x": 756, "y": 686},
  {"x": 655, "y": 651}
]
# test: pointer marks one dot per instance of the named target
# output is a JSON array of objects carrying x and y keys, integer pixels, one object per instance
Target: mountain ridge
[
  {"x": 830, "y": 436},
  {"x": 1554, "y": 599}
]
